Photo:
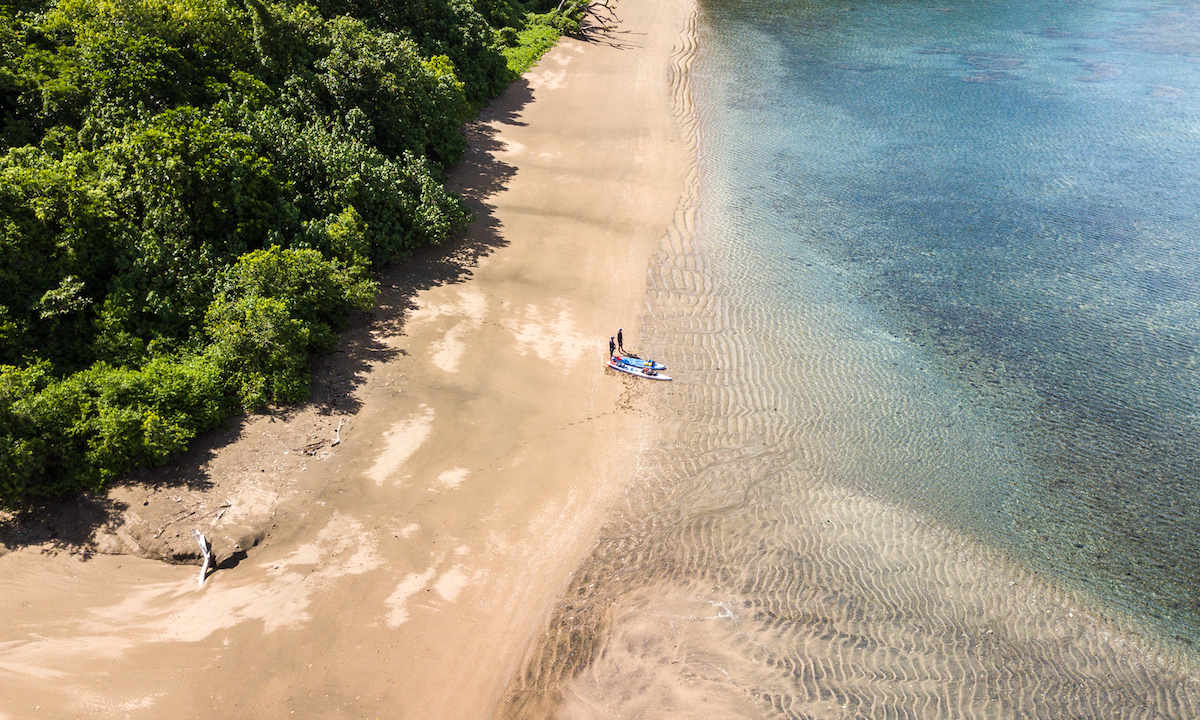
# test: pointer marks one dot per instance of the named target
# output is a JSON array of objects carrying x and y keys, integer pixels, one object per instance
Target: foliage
[
  {"x": 398, "y": 202},
  {"x": 274, "y": 308},
  {"x": 528, "y": 46},
  {"x": 194, "y": 192},
  {"x": 539, "y": 32},
  {"x": 93, "y": 425}
]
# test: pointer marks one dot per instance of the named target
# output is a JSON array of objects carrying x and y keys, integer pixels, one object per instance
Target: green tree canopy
[{"x": 193, "y": 194}]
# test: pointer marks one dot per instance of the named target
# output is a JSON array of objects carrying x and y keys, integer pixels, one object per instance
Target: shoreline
[
  {"x": 754, "y": 575},
  {"x": 407, "y": 570}
]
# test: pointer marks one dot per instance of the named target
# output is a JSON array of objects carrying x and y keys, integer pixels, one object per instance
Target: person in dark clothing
[
  {"x": 612, "y": 346},
  {"x": 620, "y": 341}
]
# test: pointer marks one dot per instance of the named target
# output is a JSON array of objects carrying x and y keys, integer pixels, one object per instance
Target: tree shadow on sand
[
  {"x": 602, "y": 26},
  {"x": 71, "y": 525}
]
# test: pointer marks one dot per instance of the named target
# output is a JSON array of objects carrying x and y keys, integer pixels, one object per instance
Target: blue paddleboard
[
  {"x": 639, "y": 363},
  {"x": 640, "y": 372}
]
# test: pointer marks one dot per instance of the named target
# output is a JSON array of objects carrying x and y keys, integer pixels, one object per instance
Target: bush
[
  {"x": 539, "y": 33},
  {"x": 193, "y": 191},
  {"x": 275, "y": 308},
  {"x": 83, "y": 430},
  {"x": 401, "y": 203}
]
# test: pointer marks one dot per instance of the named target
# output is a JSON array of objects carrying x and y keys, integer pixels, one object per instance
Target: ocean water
[
  {"x": 934, "y": 445},
  {"x": 1011, "y": 189}
]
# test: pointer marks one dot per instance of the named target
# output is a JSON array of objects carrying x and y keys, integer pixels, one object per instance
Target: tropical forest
[{"x": 195, "y": 195}]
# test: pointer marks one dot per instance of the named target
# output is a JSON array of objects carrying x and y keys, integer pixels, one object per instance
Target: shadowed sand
[{"x": 407, "y": 570}]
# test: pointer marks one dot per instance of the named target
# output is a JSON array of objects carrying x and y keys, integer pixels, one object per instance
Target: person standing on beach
[
  {"x": 612, "y": 346},
  {"x": 620, "y": 341}
]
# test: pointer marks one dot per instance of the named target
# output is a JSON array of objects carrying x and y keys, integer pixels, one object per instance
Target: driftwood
[
  {"x": 311, "y": 448},
  {"x": 188, "y": 512},
  {"x": 206, "y": 551}
]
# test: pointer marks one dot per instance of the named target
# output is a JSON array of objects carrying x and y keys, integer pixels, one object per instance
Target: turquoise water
[
  {"x": 1010, "y": 188},
  {"x": 931, "y": 310}
]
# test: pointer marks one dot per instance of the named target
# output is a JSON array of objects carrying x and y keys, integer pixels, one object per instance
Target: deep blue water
[{"x": 1012, "y": 188}]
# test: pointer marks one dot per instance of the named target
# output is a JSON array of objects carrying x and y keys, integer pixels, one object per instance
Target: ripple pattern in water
[
  {"x": 1011, "y": 188},
  {"x": 745, "y": 578},
  {"x": 761, "y": 568}
]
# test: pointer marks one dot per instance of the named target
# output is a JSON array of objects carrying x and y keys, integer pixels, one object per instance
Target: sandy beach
[{"x": 395, "y": 548}]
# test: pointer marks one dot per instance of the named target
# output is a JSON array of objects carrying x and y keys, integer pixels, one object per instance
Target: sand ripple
[{"x": 758, "y": 571}]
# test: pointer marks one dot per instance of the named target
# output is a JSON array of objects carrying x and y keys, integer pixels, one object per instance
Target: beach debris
[
  {"x": 174, "y": 519},
  {"x": 205, "y": 551},
  {"x": 337, "y": 435},
  {"x": 189, "y": 512},
  {"x": 312, "y": 448}
]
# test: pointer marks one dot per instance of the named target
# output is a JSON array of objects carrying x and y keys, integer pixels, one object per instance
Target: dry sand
[{"x": 405, "y": 570}]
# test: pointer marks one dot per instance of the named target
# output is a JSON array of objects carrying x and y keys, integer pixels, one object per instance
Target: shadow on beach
[
  {"x": 71, "y": 525},
  {"x": 602, "y": 26}
]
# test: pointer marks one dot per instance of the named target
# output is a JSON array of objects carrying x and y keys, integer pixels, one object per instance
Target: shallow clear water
[
  {"x": 1013, "y": 188},
  {"x": 932, "y": 310}
]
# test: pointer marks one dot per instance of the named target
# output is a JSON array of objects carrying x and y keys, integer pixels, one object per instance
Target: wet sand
[
  {"x": 753, "y": 571},
  {"x": 407, "y": 570}
]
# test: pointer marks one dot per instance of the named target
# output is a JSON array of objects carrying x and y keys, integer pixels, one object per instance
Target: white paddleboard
[{"x": 648, "y": 374}]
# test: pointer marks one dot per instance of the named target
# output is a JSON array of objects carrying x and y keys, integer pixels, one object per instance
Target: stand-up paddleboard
[
  {"x": 640, "y": 372},
  {"x": 638, "y": 362}
]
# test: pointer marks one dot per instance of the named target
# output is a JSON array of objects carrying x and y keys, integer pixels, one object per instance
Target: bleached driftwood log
[{"x": 205, "y": 551}]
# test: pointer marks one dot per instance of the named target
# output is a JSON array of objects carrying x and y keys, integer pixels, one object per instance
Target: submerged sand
[
  {"x": 752, "y": 572},
  {"x": 395, "y": 549}
]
